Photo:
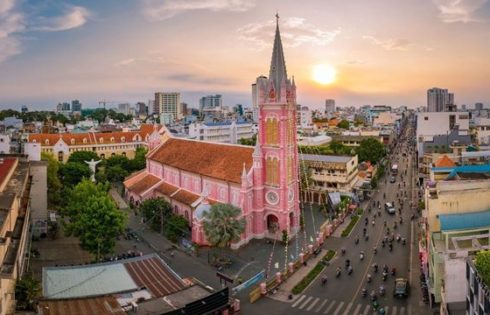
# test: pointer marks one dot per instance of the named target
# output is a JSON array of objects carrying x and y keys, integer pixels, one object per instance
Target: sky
[{"x": 383, "y": 51}]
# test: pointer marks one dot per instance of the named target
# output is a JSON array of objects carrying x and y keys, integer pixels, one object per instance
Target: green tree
[
  {"x": 139, "y": 161},
  {"x": 54, "y": 184},
  {"x": 96, "y": 220},
  {"x": 371, "y": 149},
  {"x": 120, "y": 160},
  {"x": 155, "y": 211},
  {"x": 222, "y": 225},
  {"x": 27, "y": 291},
  {"x": 82, "y": 156},
  {"x": 73, "y": 173},
  {"x": 116, "y": 173},
  {"x": 249, "y": 141},
  {"x": 344, "y": 124},
  {"x": 337, "y": 147},
  {"x": 175, "y": 227},
  {"x": 482, "y": 264}
]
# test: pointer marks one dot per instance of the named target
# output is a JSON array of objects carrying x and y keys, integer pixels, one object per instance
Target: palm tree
[{"x": 222, "y": 225}]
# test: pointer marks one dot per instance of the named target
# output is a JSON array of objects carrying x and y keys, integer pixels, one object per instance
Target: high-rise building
[
  {"x": 329, "y": 106},
  {"x": 168, "y": 104},
  {"x": 183, "y": 109},
  {"x": 24, "y": 109},
  {"x": 124, "y": 108},
  {"x": 261, "y": 80},
  {"x": 141, "y": 108},
  {"x": 211, "y": 101},
  {"x": 478, "y": 106},
  {"x": 437, "y": 99},
  {"x": 76, "y": 106}
]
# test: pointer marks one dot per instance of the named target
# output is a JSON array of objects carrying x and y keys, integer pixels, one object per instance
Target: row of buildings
[{"x": 454, "y": 180}]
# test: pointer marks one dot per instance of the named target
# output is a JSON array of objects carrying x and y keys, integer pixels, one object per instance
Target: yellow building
[{"x": 105, "y": 144}]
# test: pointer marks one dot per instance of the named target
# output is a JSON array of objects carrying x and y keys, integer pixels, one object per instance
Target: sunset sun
[{"x": 324, "y": 74}]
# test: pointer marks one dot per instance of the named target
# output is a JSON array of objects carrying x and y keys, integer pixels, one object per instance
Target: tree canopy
[
  {"x": 94, "y": 218},
  {"x": 82, "y": 156},
  {"x": 54, "y": 184},
  {"x": 482, "y": 264},
  {"x": 344, "y": 124},
  {"x": 72, "y": 173},
  {"x": 371, "y": 149},
  {"x": 222, "y": 225},
  {"x": 152, "y": 208}
]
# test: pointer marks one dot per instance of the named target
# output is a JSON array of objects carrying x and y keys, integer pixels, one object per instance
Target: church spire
[{"x": 277, "y": 72}]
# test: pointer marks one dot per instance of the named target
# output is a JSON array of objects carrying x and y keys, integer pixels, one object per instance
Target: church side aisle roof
[{"x": 215, "y": 160}]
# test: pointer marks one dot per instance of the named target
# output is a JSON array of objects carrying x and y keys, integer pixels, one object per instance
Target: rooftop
[
  {"x": 148, "y": 271},
  {"x": 103, "y": 305},
  {"x": 325, "y": 158},
  {"x": 215, "y": 160},
  {"x": 464, "y": 221},
  {"x": 6, "y": 166}
]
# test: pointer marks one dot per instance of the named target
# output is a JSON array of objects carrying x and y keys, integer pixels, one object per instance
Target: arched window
[
  {"x": 102, "y": 156},
  {"x": 60, "y": 156},
  {"x": 46, "y": 142},
  {"x": 101, "y": 140},
  {"x": 84, "y": 140},
  {"x": 272, "y": 171},
  {"x": 124, "y": 153},
  {"x": 123, "y": 139},
  {"x": 72, "y": 141},
  {"x": 176, "y": 209},
  {"x": 112, "y": 139}
]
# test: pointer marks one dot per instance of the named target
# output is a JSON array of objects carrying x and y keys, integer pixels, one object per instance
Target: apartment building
[{"x": 224, "y": 131}]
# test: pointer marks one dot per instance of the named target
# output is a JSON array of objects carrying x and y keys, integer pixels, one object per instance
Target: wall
[{"x": 455, "y": 279}]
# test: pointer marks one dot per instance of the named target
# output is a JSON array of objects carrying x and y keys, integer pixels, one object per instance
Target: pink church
[{"x": 261, "y": 180}]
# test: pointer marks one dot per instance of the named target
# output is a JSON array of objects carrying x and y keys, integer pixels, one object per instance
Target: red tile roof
[
  {"x": 216, "y": 160},
  {"x": 186, "y": 197},
  {"x": 103, "y": 305},
  {"x": 166, "y": 189},
  {"x": 445, "y": 161},
  {"x": 153, "y": 274},
  {"x": 88, "y": 138},
  {"x": 5, "y": 168},
  {"x": 144, "y": 184}
]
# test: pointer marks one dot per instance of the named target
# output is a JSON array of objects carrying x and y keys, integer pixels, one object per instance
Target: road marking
[
  {"x": 358, "y": 308},
  {"x": 321, "y": 305},
  {"x": 366, "y": 309},
  {"x": 313, "y": 304},
  {"x": 298, "y": 300},
  {"x": 348, "y": 308},
  {"x": 305, "y": 302},
  {"x": 329, "y": 307},
  {"x": 402, "y": 311},
  {"x": 338, "y": 308},
  {"x": 394, "y": 310},
  {"x": 386, "y": 309}
]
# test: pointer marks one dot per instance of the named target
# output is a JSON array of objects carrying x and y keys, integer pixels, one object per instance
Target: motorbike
[
  {"x": 373, "y": 296},
  {"x": 357, "y": 241},
  {"x": 324, "y": 280},
  {"x": 375, "y": 267},
  {"x": 343, "y": 251},
  {"x": 393, "y": 271},
  {"x": 338, "y": 272},
  {"x": 375, "y": 251},
  {"x": 366, "y": 237},
  {"x": 369, "y": 278},
  {"x": 404, "y": 241},
  {"x": 385, "y": 276},
  {"x": 382, "y": 291},
  {"x": 350, "y": 270},
  {"x": 364, "y": 292},
  {"x": 361, "y": 256}
]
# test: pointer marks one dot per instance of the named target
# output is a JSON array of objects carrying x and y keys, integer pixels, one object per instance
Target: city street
[{"x": 343, "y": 295}]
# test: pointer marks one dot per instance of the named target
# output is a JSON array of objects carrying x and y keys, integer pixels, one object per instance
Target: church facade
[{"x": 263, "y": 181}]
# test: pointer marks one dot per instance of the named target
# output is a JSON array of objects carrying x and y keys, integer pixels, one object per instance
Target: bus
[{"x": 394, "y": 169}]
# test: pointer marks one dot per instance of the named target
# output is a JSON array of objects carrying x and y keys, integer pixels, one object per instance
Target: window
[
  {"x": 123, "y": 139},
  {"x": 46, "y": 142},
  {"x": 72, "y": 141},
  {"x": 101, "y": 140},
  {"x": 426, "y": 118},
  {"x": 60, "y": 156},
  {"x": 112, "y": 139},
  {"x": 84, "y": 140}
]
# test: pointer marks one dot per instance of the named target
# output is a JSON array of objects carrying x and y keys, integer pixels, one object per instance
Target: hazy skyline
[{"x": 384, "y": 51}]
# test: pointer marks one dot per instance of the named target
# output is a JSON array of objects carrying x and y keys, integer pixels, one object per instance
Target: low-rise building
[
  {"x": 225, "y": 131},
  {"x": 15, "y": 191},
  {"x": 105, "y": 144},
  {"x": 354, "y": 141},
  {"x": 329, "y": 173},
  {"x": 457, "y": 214},
  {"x": 477, "y": 291}
]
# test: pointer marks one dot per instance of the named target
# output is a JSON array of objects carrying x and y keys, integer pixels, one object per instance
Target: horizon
[{"x": 57, "y": 52}]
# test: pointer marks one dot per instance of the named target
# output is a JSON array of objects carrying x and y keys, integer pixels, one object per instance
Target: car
[
  {"x": 402, "y": 288},
  {"x": 390, "y": 208},
  {"x": 392, "y": 179}
]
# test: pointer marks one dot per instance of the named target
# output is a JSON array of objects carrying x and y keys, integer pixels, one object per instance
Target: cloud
[
  {"x": 73, "y": 17},
  {"x": 295, "y": 31},
  {"x": 453, "y": 11},
  {"x": 11, "y": 24},
  {"x": 389, "y": 44},
  {"x": 125, "y": 62},
  {"x": 158, "y": 10},
  {"x": 199, "y": 79}
]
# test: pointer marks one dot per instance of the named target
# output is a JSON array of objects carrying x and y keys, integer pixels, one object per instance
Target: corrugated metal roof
[
  {"x": 464, "y": 221},
  {"x": 86, "y": 280},
  {"x": 464, "y": 169},
  {"x": 325, "y": 158}
]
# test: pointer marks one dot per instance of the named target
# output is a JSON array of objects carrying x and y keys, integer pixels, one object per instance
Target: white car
[{"x": 389, "y": 208}]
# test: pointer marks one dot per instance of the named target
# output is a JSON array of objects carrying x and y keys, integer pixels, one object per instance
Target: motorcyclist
[
  {"x": 375, "y": 267},
  {"x": 381, "y": 290},
  {"x": 366, "y": 220},
  {"x": 338, "y": 271},
  {"x": 342, "y": 250},
  {"x": 393, "y": 271},
  {"x": 361, "y": 255},
  {"x": 375, "y": 250},
  {"x": 369, "y": 278},
  {"x": 364, "y": 291},
  {"x": 324, "y": 280},
  {"x": 350, "y": 270}
]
